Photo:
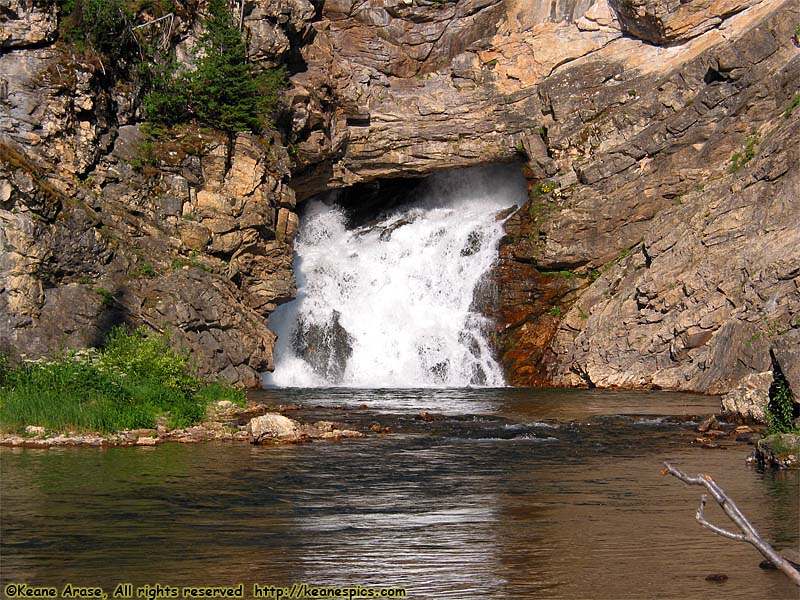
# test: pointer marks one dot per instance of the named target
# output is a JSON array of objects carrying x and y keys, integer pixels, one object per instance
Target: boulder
[
  {"x": 750, "y": 398},
  {"x": 780, "y": 450},
  {"x": 273, "y": 427},
  {"x": 326, "y": 346}
]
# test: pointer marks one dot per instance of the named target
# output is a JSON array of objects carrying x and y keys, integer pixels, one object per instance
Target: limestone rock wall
[
  {"x": 189, "y": 233},
  {"x": 659, "y": 244},
  {"x": 658, "y": 247}
]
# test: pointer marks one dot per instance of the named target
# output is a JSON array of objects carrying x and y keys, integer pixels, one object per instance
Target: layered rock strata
[
  {"x": 659, "y": 245},
  {"x": 188, "y": 232}
]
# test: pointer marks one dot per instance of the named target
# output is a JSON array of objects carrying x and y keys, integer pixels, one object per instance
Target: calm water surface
[{"x": 507, "y": 494}]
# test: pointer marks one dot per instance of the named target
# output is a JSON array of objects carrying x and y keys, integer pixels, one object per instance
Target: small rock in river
[
  {"x": 424, "y": 416},
  {"x": 708, "y": 423},
  {"x": 717, "y": 578}
]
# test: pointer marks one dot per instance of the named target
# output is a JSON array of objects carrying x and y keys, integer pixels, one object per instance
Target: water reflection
[{"x": 503, "y": 497}]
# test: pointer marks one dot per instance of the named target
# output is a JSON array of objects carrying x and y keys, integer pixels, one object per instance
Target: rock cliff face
[
  {"x": 189, "y": 233},
  {"x": 658, "y": 248}
]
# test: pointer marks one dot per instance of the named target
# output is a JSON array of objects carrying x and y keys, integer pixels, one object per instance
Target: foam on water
[{"x": 393, "y": 304}]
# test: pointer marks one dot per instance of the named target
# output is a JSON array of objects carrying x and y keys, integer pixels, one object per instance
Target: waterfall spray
[{"x": 393, "y": 304}]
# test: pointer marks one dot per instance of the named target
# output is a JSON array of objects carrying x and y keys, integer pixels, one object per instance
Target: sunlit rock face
[
  {"x": 190, "y": 233},
  {"x": 656, "y": 248},
  {"x": 661, "y": 254}
]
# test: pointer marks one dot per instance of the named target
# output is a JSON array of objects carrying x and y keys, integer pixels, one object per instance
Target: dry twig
[{"x": 748, "y": 533}]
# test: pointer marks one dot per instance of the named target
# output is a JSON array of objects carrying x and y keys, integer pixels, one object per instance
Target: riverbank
[{"x": 226, "y": 422}]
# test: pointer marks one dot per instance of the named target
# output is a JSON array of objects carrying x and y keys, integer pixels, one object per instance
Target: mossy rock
[{"x": 779, "y": 450}]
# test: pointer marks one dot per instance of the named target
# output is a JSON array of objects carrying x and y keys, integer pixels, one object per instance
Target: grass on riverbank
[{"x": 135, "y": 379}]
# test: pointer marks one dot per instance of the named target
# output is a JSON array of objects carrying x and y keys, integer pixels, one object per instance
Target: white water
[{"x": 406, "y": 301}]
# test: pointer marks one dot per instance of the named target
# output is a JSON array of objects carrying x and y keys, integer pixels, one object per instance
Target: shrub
[
  {"x": 146, "y": 270},
  {"x": 739, "y": 159},
  {"x": 543, "y": 188},
  {"x": 781, "y": 406},
  {"x": 129, "y": 384}
]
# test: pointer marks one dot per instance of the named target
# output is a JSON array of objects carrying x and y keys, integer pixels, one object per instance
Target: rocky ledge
[
  {"x": 228, "y": 423},
  {"x": 103, "y": 221},
  {"x": 658, "y": 247}
]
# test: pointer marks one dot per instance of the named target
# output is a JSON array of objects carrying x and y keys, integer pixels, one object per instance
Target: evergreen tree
[{"x": 225, "y": 91}]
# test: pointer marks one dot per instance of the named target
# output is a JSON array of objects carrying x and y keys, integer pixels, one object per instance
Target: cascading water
[{"x": 394, "y": 303}]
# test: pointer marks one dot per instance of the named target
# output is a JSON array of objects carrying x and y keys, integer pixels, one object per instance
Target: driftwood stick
[{"x": 749, "y": 534}]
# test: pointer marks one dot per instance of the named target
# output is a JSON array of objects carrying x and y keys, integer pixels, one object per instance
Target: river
[{"x": 505, "y": 494}]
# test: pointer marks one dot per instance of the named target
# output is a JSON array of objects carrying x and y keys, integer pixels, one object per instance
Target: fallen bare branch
[{"x": 749, "y": 534}]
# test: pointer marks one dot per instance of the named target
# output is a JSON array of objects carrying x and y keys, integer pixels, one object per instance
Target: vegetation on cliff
[
  {"x": 135, "y": 379},
  {"x": 225, "y": 91},
  {"x": 781, "y": 408},
  {"x": 222, "y": 90},
  {"x": 103, "y": 25}
]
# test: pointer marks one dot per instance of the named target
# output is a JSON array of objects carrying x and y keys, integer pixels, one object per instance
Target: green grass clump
[
  {"x": 792, "y": 105},
  {"x": 129, "y": 384},
  {"x": 739, "y": 159}
]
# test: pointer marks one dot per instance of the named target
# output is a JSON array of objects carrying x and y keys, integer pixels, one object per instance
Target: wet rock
[
  {"x": 743, "y": 433},
  {"x": 386, "y": 233},
  {"x": 277, "y": 428},
  {"x": 706, "y": 443},
  {"x": 273, "y": 427},
  {"x": 146, "y": 441},
  {"x": 325, "y": 346},
  {"x": 707, "y": 424},
  {"x": 424, "y": 416},
  {"x": 717, "y": 578}
]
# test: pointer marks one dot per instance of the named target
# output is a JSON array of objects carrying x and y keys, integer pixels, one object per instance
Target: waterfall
[{"x": 396, "y": 303}]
